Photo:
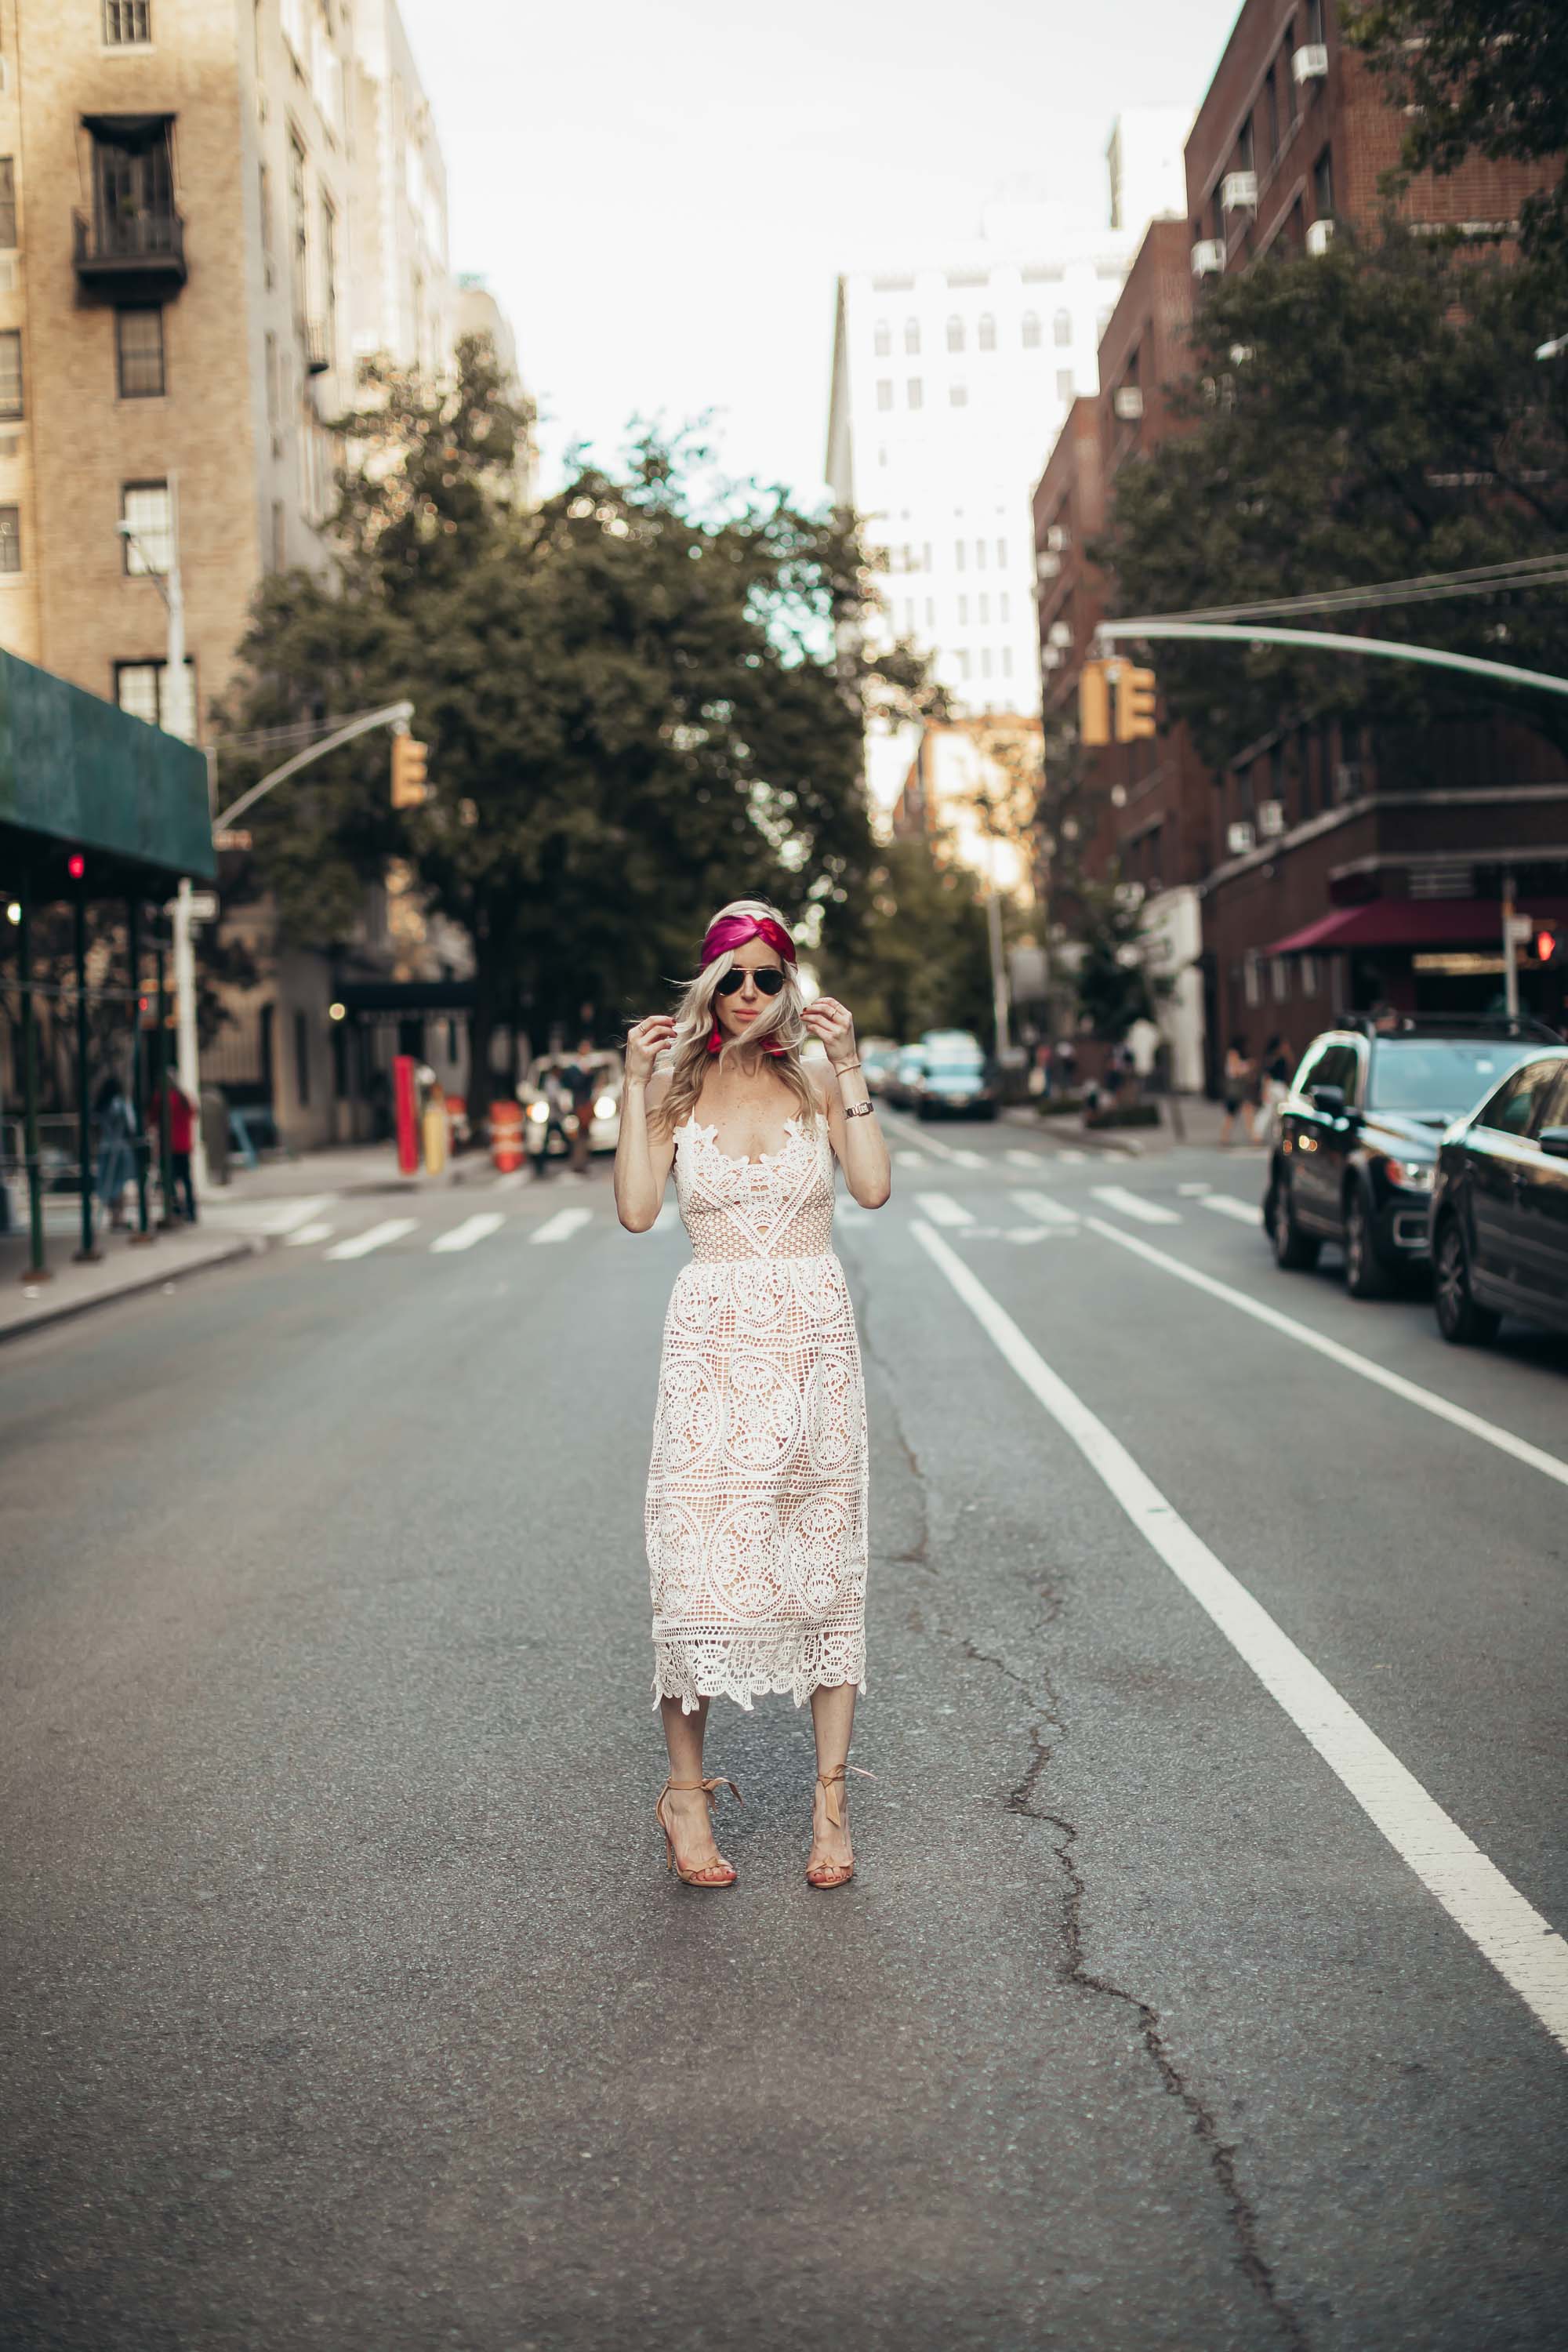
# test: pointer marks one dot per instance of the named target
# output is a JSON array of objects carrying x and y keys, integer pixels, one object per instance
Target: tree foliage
[
  {"x": 1478, "y": 74},
  {"x": 1116, "y": 983},
  {"x": 1371, "y": 415},
  {"x": 920, "y": 959},
  {"x": 635, "y": 710}
]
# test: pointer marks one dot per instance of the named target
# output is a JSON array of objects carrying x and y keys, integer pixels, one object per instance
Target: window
[
  {"x": 1512, "y": 1110},
  {"x": 963, "y": 666},
  {"x": 955, "y": 333},
  {"x": 1249, "y": 988},
  {"x": 8, "y": 203},
  {"x": 127, "y": 23},
  {"x": 1279, "y": 978},
  {"x": 925, "y": 555},
  {"x": 979, "y": 555},
  {"x": 1244, "y": 151},
  {"x": 912, "y": 338},
  {"x": 987, "y": 336},
  {"x": 1004, "y": 609},
  {"x": 985, "y": 661},
  {"x": 958, "y": 395},
  {"x": 139, "y": 687},
  {"x": 882, "y": 339},
  {"x": 264, "y": 187},
  {"x": 985, "y": 611},
  {"x": 145, "y": 507},
  {"x": 11, "y": 371},
  {"x": 330, "y": 276},
  {"x": 297, "y": 237},
  {"x": 279, "y": 538},
  {"x": 915, "y": 392},
  {"x": 1006, "y": 654},
  {"x": 1061, "y": 330},
  {"x": 1315, "y": 20},
  {"x": 1309, "y": 975},
  {"x": 291, "y": 14},
  {"x": 1001, "y": 555},
  {"x": 1271, "y": 114},
  {"x": 139, "y": 353},
  {"x": 884, "y": 392},
  {"x": 963, "y": 612},
  {"x": 301, "y": 1057},
  {"x": 1064, "y": 383},
  {"x": 271, "y": 372},
  {"x": 10, "y": 538},
  {"x": 1031, "y": 330},
  {"x": 1323, "y": 185},
  {"x": 958, "y": 555},
  {"x": 930, "y": 612}
]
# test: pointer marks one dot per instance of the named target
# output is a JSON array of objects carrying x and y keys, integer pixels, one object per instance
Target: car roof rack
[{"x": 1456, "y": 1024}]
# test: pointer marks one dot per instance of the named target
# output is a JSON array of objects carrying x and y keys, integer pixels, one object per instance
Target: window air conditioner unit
[
  {"x": 1057, "y": 538},
  {"x": 1319, "y": 236},
  {"x": 1239, "y": 839},
  {"x": 1311, "y": 62},
  {"x": 1060, "y": 634},
  {"x": 1238, "y": 191},
  {"x": 1209, "y": 258},
  {"x": 1127, "y": 403},
  {"x": 1347, "y": 780},
  {"x": 1046, "y": 566},
  {"x": 1271, "y": 817}
]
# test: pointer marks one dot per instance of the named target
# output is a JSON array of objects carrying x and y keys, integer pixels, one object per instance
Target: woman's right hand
[{"x": 644, "y": 1043}]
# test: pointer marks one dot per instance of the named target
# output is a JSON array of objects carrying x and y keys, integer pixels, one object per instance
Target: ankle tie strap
[
  {"x": 829, "y": 1781},
  {"x": 710, "y": 1787}
]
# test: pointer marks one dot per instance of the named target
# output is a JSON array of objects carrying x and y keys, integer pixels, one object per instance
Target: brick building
[{"x": 1327, "y": 869}]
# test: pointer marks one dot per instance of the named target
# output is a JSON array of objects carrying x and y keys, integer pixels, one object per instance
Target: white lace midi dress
[{"x": 755, "y": 1513}]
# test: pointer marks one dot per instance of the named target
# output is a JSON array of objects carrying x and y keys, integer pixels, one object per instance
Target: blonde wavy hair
[{"x": 688, "y": 1061}]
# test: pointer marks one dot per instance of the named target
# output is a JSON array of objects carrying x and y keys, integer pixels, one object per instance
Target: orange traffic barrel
[{"x": 506, "y": 1136}]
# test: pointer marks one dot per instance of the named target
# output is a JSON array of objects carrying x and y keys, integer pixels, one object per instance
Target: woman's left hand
[{"x": 833, "y": 1025}]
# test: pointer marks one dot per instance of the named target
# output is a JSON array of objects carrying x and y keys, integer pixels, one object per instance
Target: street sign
[{"x": 204, "y": 906}]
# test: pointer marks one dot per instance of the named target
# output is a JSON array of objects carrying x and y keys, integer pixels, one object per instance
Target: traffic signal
[
  {"x": 1093, "y": 705},
  {"x": 409, "y": 788},
  {"x": 1549, "y": 943},
  {"x": 1136, "y": 690}
]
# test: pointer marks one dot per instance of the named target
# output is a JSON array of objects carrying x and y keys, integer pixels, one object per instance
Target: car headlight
[
  {"x": 604, "y": 1107},
  {"x": 539, "y": 1110},
  {"x": 1414, "y": 1175}
]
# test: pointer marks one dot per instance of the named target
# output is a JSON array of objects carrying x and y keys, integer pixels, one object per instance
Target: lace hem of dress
[{"x": 746, "y": 1666}]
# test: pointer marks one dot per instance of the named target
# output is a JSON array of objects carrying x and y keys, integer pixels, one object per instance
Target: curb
[{"x": 156, "y": 1278}]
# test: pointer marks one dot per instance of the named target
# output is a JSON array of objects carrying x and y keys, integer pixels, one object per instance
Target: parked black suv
[
  {"x": 1499, "y": 1206},
  {"x": 1356, "y": 1142}
]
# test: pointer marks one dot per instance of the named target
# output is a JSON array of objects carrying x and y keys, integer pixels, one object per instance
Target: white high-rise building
[
  {"x": 953, "y": 373},
  {"x": 403, "y": 292}
]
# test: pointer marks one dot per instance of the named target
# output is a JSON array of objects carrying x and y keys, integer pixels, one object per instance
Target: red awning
[{"x": 1412, "y": 923}]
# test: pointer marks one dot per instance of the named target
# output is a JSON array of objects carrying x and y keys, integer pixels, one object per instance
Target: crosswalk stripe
[
  {"x": 1192, "y": 1191},
  {"x": 374, "y": 1237},
  {"x": 1073, "y": 1159},
  {"x": 1133, "y": 1204},
  {"x": 963, "y": 1157},
  {"x": 1047, "y": 1212},
  {"x": 305, "y": 1234},
  {"x": 471, "y": 1230},
  {"x": 911, "y": 1159},
  {"x": 1035, "y": 1161},
  {"x": 565, "y": 1222},
  {"x": 943, "y": 1210},
  {"x": 279, "y": 1222},
  {"x": 1243, "y": 1210}
]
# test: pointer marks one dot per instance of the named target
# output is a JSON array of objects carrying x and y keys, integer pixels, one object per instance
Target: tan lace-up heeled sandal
[
  {"x": 828, "y": 1874},
  {"x": 708, "y": 1874}
]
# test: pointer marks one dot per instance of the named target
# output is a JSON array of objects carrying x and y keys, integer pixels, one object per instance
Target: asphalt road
[{"x": 347, "y": 2001}]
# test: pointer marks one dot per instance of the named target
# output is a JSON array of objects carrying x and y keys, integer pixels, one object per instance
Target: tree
[
  {"x": 1116, "y": 983},
  {"x": 1486, "y": 75},
  {"x": 634, "y": 711},
  {"x": 1370, "y": 414},
  {"x": 920, "y": 959}
]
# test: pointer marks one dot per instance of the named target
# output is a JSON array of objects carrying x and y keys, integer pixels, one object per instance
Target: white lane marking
[
  {"x": 965, "y": 1159},
  {"x": 1073, "y": 1159},
  {"x": 1534, "y": 1456},
  {"x": 565, "y": 1222},
  {"x": 1246, "y": 1213},
  {"x": 471, "y": 1230},
  {"x": 1525, "y": 1949},
  {"x": 308, "y": 1234},
  {"x": 1048, "y": 1211},
  {"x": 943, "y": 1209},
  {"x": 374, "y": 1237},
  {"x": 1192, "y": 1191},
  {"x": 279, "y": 1222},
  {"x": 911, "y": 1160},
  {"x": 933, "y": 1143},
  {"x": 1133, "y": 1204},
  {"x": 1021, "y": 1158}
]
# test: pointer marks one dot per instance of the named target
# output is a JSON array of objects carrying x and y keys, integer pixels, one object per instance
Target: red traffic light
[
  {"x": 1546, "y": 942},
  {"x": 76, "y": 866}
]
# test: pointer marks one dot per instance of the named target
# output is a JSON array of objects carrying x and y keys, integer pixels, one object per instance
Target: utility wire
[{"x": 1432, "y": 587}]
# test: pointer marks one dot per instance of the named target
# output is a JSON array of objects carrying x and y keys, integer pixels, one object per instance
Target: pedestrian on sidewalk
[
  {"x": 755, "y": 1510},
  {"x": 182, "y": 1137},
  {"x": 581, "y": 1080},
  {"x": 1237, "y": 1085},
  {"x": 115, "y": 1121}
]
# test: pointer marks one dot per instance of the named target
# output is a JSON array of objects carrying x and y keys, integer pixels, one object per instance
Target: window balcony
[{"x": 125, "y": 253}]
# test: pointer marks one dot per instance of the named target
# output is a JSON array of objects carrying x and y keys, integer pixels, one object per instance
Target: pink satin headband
[{"x": 734, "y": 930}]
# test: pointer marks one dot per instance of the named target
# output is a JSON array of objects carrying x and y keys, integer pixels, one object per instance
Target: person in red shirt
[{"x": 182, "y": 1123}]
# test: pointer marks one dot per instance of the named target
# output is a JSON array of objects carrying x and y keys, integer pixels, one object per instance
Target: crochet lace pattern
[{"x": 755, "y": 1515}]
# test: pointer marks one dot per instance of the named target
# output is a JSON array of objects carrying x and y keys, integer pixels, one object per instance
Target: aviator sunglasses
[{"x": 769, "y": 980}]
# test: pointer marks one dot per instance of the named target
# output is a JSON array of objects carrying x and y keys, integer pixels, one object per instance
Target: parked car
[
  {"x": 879, "y": 1056},
  {"x": 956, "y": 1078},
  {"x": 1499, "y": 1206},
  {"x": 905, "y": 1075},
  {"x": 1355, "y": 1148},
  {"x": 604, "y": 1127}
]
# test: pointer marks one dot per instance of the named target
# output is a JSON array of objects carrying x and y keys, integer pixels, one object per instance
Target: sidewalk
[
  {"x": 1198, "y": 1119},
  {"x": 124, "y": 1268}
]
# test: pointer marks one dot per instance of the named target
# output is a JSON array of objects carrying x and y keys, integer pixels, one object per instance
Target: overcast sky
[{"x": 661, "y": 193}]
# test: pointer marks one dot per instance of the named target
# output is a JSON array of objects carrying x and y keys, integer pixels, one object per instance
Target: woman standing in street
[
  {"x": 755, "y": 1513},
  {"x": 1237, "y": 1080}
]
